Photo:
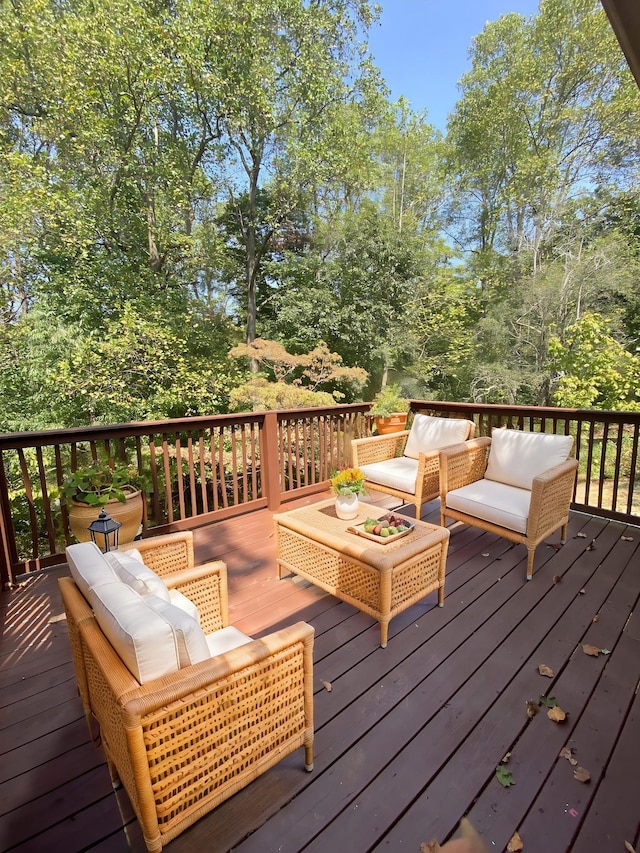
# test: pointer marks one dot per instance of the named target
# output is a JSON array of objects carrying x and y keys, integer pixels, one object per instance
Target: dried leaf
[
  {"x": 430, "y": 846},
  {"x": 548, "y": 701},
  {"x": 588, "y": 649},
  {"x": 582, "y": 591},
  {"x": 556, "y": 714},
  {"x": 515, "y": 845},
  {"x": 557, "y": 579},
  {"x": 592, "y": 545},
  {"x": 595, "y": 618},
  {"x": 532, "y": 709},
  {"x": 567, "y": 752},
  {"x": 581, "y": 535},
  {"x": 505, "y": 758},
  {"x": 629, "y": 847},
  {"x": 504, "y": 776},
  {"x": 605, "y": 651},
  {"x": 327, "y": 686},
  {"x": 60, "y": 618},
  {"x": 581, "y": 774},
  {"x": 545, "y": 670},
  {"x": 486, "y": 554},
  {"x": 627, "y": 539}
]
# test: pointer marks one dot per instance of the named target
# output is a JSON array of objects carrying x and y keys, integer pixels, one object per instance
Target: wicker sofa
[{"x": 184, "y": 723}]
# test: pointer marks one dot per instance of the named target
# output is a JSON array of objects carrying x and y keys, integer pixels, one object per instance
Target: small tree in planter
[{"x": 390, "y": 409}]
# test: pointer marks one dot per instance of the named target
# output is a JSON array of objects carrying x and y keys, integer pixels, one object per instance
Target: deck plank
[{"x": 408, "y": 738}]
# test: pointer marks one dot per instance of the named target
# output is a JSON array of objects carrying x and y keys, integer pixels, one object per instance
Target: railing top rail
[{"x": 603, "y": 415}]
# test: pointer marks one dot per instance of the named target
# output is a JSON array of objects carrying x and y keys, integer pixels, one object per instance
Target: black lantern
[{"x": 104, "y": 531}]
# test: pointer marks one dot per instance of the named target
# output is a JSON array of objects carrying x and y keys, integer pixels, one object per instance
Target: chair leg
[
  {"x": 563, "y": 533},
  {"x": 531, "y": 552}
]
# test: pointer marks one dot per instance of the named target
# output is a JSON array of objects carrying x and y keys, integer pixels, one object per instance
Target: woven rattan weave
[{"x": 380, "y": 580}]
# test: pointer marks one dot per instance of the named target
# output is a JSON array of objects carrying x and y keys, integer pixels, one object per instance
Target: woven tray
[{"x": 382, "y": 540}]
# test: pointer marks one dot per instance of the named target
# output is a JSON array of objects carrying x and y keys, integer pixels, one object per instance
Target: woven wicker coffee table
[{"x": 381, "y": 580}]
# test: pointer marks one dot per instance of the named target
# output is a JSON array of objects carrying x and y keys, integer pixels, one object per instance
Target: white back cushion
[
  {"x": 132, "y": 571},
  {"x": 429, "y": 433},
  {"x": 190, "y": 639},
  {"x": 88, "y": 566},
  {"x": 143, "y": 639},
  {"x": 184, "y": 603},
  {"x": 516, "y": 457}
]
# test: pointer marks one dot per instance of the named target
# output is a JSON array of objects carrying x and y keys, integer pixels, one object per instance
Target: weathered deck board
[{"x": 408, "y": 738}]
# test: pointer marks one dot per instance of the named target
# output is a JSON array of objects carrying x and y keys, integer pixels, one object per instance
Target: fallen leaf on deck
[
  {"x": 592, "y": 545},
  {"x": 505, "y": 758},
  {"x": 504, "y": 776},
  {"x": 486, "y": 554},
  {"x": 430, "y": 846},
  {"x": 588, "y": 649},
  {"x": 327, "y": 686},
  {"x": 556, "y": 714},
  {"x": 557, "y": 579},
  {"x": 581, "y": 535},
  {"x": 548, "y": 701},
  {"x": 515, "y": 845},
  {"x": 532, "y": 709},
  {"x": 545, "y": 670},
  {"x": 627, "y": 539},
  {"x": 629, "y": 846},
  {"x": 566, "y": 752},
  {"x": 59, "y": 618},
  {"x": 581, "y": 774},
  {"x": 582, "y": 591},
  {"x": 595, "y": 618},
  {"x": 605, "y": 651}
]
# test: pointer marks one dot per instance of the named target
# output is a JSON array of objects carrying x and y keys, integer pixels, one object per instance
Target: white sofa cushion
[
  {"x": 398, "y": 473},
  {"x": 190, "y": 639},
  {"x": 88, "y": 566},
  {"x": 184, "y": 603},
  {"x": 516, "y": 457},
  {"x": 226, "y": 639},
  {"x": 506, "y": 506},
  {"x": 430, "y": 433},
  {"x": 132, "y": 571},
  {"x": 142, "y": 638}
]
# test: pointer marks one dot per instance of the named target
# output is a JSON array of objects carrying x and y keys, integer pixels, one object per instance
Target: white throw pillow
[
  {"x": 129, "y": 567},
  {"x": 88, "y": 566},
  {"x": 516, "y": 457},
  {"x": 190, "y": 639},
  {"x": 143, "y": 639},
  {"x": 179, "y": 600},
  {"x": 429, "y": 433}
]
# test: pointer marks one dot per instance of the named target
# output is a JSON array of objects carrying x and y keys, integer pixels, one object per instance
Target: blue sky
[{"x": 422, "y": 47}]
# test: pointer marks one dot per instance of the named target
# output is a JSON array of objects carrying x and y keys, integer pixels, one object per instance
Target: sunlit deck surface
[{"x": 408, "y": 738}]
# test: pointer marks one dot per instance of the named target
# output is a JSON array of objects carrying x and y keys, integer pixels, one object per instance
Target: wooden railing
[{"x": 204, "y": 469}]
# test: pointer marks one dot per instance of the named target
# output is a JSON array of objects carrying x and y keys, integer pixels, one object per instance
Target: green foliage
[
  {"x": 388, "y": 401},
  {"x": 100, "y": 482},
  {"x": 593, "y": 370}
]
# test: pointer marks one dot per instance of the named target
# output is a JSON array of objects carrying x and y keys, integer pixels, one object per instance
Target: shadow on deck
[{"x": 408, "y": 738}]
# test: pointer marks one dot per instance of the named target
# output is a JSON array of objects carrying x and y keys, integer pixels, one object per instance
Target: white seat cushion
[
  {"x": 399, "y": 473},
  {"x": 516, "y": 457},
  {"x": 142, "y": 638},
  {"x": 429, "y": 433},
  {"x": 226, "y": 639},
  {"x": 506, "y": 506},
  {"x": 132, "y": 571},
  {"x": 88, "y": 566}
]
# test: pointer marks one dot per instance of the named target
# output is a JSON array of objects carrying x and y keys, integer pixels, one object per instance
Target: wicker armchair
[
  {"x": 406, "y": 464},
  {"x": 516, "y": 484},
  {"x": 184, "y": 742}
]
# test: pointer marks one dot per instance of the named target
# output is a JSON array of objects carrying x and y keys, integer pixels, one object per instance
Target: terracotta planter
[
  {"x": 129, "y": 514},
  {"x": 394, "y": 423}
]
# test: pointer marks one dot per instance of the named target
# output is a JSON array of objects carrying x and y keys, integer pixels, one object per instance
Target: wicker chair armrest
[
  {"x": 377, "y": 448},
  {"x": 464, "y": 463},
  {"x": 193, "y": 684},
  {"x": 206, "y": 587},
  {"x": 167, "y": 553},
  {"x": 551, "y": 494}
]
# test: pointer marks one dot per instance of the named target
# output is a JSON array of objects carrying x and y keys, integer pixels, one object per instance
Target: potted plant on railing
[
  {"x": 101, "y": 485},
  {"x": 390, "y": 410},
  {"x": 346, "y": 486}
]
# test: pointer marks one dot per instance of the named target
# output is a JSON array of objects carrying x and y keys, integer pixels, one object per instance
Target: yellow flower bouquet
[{"x": 348, "y": 481}]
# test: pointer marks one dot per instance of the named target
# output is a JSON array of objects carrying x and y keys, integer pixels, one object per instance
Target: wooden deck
[{"x": 408, "y": 737}]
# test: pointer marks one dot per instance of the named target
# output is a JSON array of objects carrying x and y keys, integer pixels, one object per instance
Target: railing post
[
  {"x": 270, "y": 461},
  {"x": 7, "y": 540}
]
